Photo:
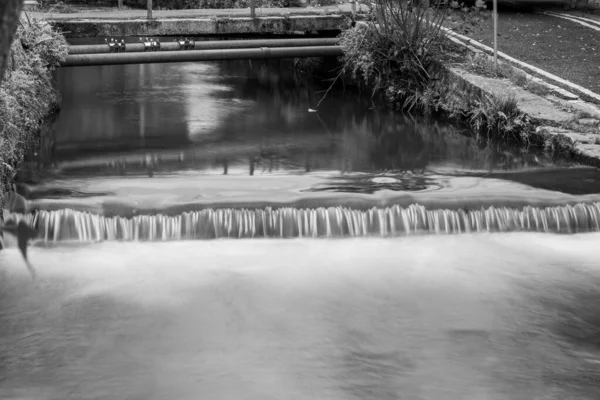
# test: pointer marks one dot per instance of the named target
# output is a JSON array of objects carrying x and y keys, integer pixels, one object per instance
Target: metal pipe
[
  {"x": 207, "y": 45},
  {"x": 81, "y": 60}
]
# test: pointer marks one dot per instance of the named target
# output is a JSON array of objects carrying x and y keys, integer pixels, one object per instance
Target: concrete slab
[
  {"x": 554, "y": 131},
  {"x": 535, "y": 106}
]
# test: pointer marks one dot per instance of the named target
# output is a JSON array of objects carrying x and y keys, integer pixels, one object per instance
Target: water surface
[
  {"x": 143, "y": 157},
  {"x": 244, "y": 131},
  {"x": 483, "y": 316}
]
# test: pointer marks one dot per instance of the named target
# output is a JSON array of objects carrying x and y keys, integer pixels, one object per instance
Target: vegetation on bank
[
  {"x": 185, "y": 4},
  {"x": 66, "y": 5},
  {"x": 27, "y": 94},
  {"x": 401, "y": 54}
]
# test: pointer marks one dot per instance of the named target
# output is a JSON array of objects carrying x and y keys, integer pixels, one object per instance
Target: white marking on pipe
[{"x": 525, "y": 65}]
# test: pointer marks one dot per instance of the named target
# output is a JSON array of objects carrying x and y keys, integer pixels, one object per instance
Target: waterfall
[{"x": 73, "y": 225}]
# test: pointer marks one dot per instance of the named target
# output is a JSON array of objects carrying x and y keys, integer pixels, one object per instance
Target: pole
[
  {"x": 149, "y": 5},
  {"x": 496, "y": 35},
  {"x": 252, "y": 9}
]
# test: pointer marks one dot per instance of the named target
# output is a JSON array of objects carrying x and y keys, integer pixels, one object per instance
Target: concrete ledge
[
  {"x": 199, "y": 26},
  {"x": 559, "y": 129}
]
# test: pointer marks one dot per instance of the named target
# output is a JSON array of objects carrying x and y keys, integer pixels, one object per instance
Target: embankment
[
  {"x": 436, "y": 76},
  {"x": 27, "y": 94}
]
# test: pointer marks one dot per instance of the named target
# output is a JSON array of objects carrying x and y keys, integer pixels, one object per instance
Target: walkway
[
  {"x": 556, "y": 45},
  {"x": 198, "y": 13}
]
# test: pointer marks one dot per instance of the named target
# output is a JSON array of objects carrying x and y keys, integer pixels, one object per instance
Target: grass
[
  {"x": 27, "y": 94},
  {"x": 483, "y": 64},
  {"x": 498, "y": 119}
]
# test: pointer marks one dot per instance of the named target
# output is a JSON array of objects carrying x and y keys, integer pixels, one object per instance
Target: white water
[
  {"x": 318, "y": 222},
  {"x": 472, "y": 317}
]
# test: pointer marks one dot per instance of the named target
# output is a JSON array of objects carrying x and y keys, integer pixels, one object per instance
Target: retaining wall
[{"x": 201, "y": 26}]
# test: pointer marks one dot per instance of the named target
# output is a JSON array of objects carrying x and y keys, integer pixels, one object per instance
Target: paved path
[
  {"x": 198, "y": 13},
  {"x": 561, "y": 47}
]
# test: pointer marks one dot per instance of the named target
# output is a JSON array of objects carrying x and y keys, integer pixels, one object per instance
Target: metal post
[
  {"x": 496, "y": 35},
  {"x": 119, "y": 4},
  {"x": 149, "y": 5},
  {"x": 353, "y": 2},
  {"x": 252, "y": 9}
]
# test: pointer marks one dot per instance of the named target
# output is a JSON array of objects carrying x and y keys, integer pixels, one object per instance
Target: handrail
[
  {"x": 185, "y": 44},
  {"x": 80, "y": 60}
]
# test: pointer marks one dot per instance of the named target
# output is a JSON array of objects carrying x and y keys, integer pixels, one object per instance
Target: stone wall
[{"x": 200, "y": 27}]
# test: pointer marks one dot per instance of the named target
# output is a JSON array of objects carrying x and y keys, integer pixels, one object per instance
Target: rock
[{"x": 588, "y": 121}]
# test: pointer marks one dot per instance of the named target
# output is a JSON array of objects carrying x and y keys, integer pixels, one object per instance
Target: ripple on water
[{"x": 424, "y": 317}]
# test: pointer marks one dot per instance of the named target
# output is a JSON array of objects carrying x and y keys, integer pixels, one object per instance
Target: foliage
[
  {"x": 218, "y": 4},
  {"x": 398, "y": 52},
  {"x": 499, "y": 118},
  {"x": 69, "y": 6},
  {"x": 27, "y": 95},
  {"x": 242, "y": 3}
]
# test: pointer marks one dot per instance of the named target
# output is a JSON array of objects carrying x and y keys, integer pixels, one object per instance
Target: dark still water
[
  {"x": 232, "y": 112},
  {"x": 153, "y": 137},
  {"x": 442, "y": 292}
]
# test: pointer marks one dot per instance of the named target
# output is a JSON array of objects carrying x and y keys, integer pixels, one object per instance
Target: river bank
[
  {"x": 27, "y": 95},
  {"x": 441, "y": 74}
]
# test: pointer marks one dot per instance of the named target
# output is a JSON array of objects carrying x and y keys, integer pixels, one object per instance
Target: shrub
[
  {"x": 193, "y": 4},
  {"x": 27, "y": 95},
  {"x": 398, "y": 52},
  {"x": 498, "y": 118}
]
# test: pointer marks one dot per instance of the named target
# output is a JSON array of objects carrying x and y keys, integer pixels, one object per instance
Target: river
[{"x": 204, "y": 233}]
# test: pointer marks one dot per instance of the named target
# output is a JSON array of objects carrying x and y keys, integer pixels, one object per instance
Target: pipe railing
[
  {"x": 80, "y": 60},
  {"x": 186, "y": 45}
]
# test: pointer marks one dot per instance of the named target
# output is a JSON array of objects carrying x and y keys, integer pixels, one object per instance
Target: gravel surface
[{"x": 561, "y": 47}]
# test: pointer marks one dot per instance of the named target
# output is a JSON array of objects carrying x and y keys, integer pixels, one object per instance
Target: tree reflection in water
[{"x": 248, "y": 111}]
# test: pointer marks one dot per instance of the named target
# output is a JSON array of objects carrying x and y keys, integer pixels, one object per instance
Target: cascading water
[
  {"x": 70, "y": 225},
  {"x": 431, "y": 315}
]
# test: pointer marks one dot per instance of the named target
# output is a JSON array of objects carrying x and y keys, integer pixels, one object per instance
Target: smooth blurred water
[
  {"x": 510, "y": 316},
  {"x": 176, "y": 151}
]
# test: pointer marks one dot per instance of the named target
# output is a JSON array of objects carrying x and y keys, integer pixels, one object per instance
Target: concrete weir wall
[{"x": 77, "y": 28}]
